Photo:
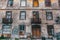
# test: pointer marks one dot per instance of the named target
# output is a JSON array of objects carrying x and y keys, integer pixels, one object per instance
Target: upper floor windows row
[
  {"x": 22, "y": 16},
  {"x": 35, "y": 3},
  {"x": 22, "y": 2}
]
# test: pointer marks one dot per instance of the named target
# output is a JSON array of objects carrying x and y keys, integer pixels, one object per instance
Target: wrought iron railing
[
  {"x": 7, "y": 21},
  {"x": 35, "y": 21}
]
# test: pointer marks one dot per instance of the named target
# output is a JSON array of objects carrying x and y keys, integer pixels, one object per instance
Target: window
[
  {"x": 10, "y": 2},
  {"x": 35, "y": 3},
  {"x": 8, "y": 14},
  {"x": 50, "y": 30},
  {"x": 35, "y": 14},
  {"x": 22, "y": 15},
  {"x": 23, "y": 3},
  {"x": 6, "y": 28},
  {"x": 59, "y": 2},
  {"x": 48, "y": 3},
  {"x": 49, "y": 16},
  {"x": 22, "y": 29}
]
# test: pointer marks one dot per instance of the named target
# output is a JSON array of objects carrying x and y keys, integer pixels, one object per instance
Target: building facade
[{"x": 30, "y": 19}]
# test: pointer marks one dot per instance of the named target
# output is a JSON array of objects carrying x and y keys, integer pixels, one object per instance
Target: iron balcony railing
[
  {"x": 7, "y": 21},
  {"x": 35, "y": 21}
]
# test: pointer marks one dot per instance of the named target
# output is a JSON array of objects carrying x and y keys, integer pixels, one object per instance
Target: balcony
[
  {"x": 7, "y": 21},
  {"x": 35, "y": 21}
]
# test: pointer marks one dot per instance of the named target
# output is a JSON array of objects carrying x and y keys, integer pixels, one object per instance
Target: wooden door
[{"x": 36, "y": 32}]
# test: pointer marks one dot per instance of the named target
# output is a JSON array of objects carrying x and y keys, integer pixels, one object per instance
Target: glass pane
[
  {"x": 22, "y": 17},
  {"x": 49, "y": 15},
  {"x": 50, "y": 29},
  {"x": 23, "y": 2},
  {"x": 21, "y": 27},
  {"x": 23, "y": 13},
  {"x": 48, "y": 3},
  {"x": 10, "y": 3},
  {"x": 6, "y": 26},
  {"x": 35, "y": 14},
  {"x": 8, "y": 14},
  {"x": 6, "y": 29}
]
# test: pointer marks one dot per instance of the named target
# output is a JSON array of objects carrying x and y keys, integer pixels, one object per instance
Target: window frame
[
  {"x": 21, "y": 15},
  {"x": 51, "y": 15},
  {"x": 23, "y": 27},
  {"x": 8, "y": 15},
  {"x": 36, "y": 14},
  {"x": 49, "y": 27},
  {"x": 22, "y": 30},
  {"x": 48, "y": 3},
  {"x": 37, "y": 2},
  {"x": 25, "y": 3},
  {"x": 10, "y": 5},
  {"x": 5, "y": 29}
]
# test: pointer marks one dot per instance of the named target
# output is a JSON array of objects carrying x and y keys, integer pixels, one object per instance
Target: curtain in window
[
  {"x": 35, "y": 3},
  {"x": 23, "y": 2},
  {"x": 10, "y": 2},
  {"x": 9, "y": 14},
  {"x": 22, "y": 15}
]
